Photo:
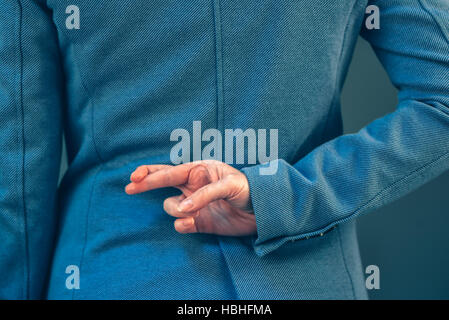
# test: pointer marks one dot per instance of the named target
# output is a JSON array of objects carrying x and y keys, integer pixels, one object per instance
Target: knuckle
[
  {"x": 235, "y": 184},
  {"x": 230, "y": 181}
]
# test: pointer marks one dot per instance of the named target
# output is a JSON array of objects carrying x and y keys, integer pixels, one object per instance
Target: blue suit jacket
[{"x": 136, "y": 70}]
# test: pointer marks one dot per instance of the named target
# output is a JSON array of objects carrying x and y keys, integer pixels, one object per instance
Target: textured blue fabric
[{"x": 137, "y": 70}]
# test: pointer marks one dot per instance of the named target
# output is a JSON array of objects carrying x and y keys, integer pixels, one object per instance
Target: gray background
[{"x": 408, "y": 239}]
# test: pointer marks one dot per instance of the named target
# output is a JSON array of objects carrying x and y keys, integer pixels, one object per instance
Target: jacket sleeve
[
  {"x": 30, "y": 144},
  {"x": 357, "y": 173}
]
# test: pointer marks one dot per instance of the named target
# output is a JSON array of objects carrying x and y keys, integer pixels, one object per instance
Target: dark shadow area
[{"x": 407, "y": 239}]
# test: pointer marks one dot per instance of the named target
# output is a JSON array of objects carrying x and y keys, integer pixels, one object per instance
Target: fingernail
[
  {"x": 136, "y": 176},
  {"x": 187, "y": 222},
  {"x": 185, "y": 205}
]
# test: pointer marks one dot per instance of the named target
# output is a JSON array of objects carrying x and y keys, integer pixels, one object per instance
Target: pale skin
[{"x": 215, "y": 196}]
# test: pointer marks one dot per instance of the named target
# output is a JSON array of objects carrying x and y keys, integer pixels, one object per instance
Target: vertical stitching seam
[
  {"x": 222, "y": 67},
  {"x": 218, "y": 63},
  {"x": 92, "y": 114},
  {"x": 99, "y": 169},
  {"x": 87, "y": 225},
  {"x": 26, "y": 294},
  {"x": 345, "y": 263},
  {"x": 92, "y": 129},
  {"x": 225, "y": 258},
  {"x": 90, "y": 98},
  {"x": 337, "y": 91},
  {"x": 218, "y": 51}
]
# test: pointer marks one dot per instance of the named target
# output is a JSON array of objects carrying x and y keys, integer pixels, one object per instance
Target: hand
[{"x": 215, "y": 196}]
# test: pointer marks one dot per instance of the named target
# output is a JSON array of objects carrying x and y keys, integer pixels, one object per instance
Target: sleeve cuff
[{"x": 274, "y": 206}]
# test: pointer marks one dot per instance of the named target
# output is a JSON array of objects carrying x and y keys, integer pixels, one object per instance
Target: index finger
[
  {"x": 142, "y": 171},
  {"x": 166, "y": 177}
]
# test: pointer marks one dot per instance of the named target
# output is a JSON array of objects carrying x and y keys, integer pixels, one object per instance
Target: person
[{"x": 120, "y": 77}]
